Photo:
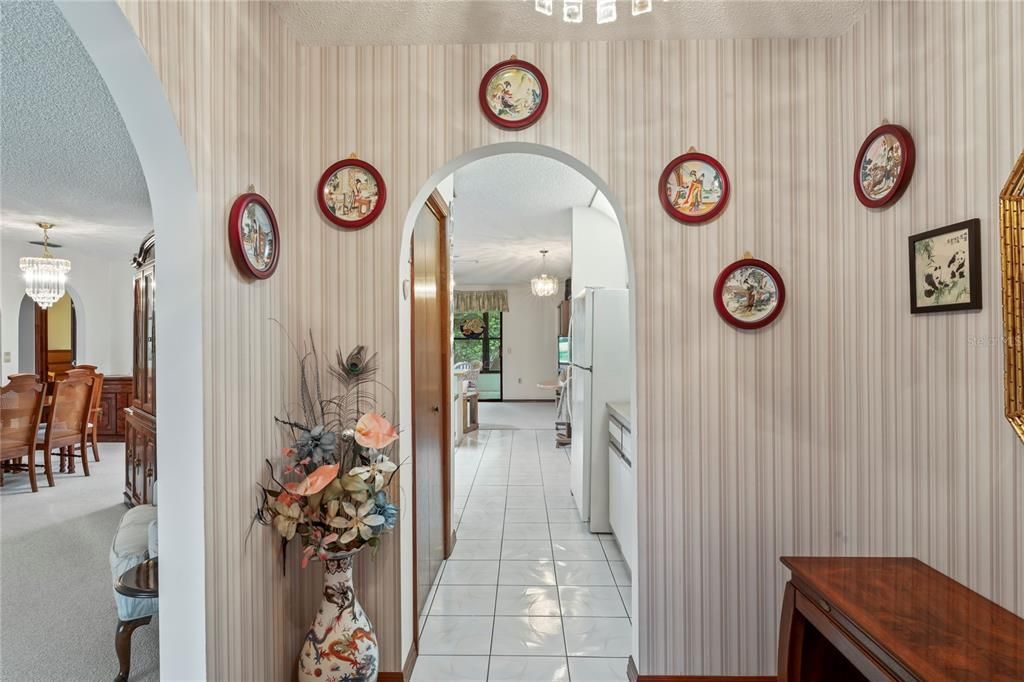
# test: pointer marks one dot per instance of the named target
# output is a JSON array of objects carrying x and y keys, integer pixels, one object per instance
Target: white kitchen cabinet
[{"x": 622, "y": 488}]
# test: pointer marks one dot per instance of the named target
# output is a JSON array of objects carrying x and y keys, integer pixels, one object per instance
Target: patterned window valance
[{"x": 484, "y": 301}]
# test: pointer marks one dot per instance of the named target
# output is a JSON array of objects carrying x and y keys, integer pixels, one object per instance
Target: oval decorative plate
[
  {"x": 351, "y": 194},
  {"x": 253, "y": 235},
  {"x": 884, "y": 166},
  {"x": 472, "y": 327},
  {"x": 694, "y": 188},
  {"x": 749, "y": 294},
  {"x": 513, "y": 94}
]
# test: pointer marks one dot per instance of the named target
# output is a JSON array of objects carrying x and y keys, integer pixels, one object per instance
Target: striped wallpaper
[{"x": 847, "y": 427}]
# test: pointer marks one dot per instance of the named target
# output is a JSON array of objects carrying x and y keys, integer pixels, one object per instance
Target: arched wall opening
[
  {"x": 115, "y": 49},
  {"x": 405, "y": 355},
  {"x": 27, "y": 330}
]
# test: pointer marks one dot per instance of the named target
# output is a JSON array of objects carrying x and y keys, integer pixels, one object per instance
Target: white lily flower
[
  {"x": 360, "y": 522},
  {"x": 376, "y": 471}
]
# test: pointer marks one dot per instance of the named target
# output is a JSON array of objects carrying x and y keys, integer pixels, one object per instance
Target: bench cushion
[{"x": 130, "y": 548}]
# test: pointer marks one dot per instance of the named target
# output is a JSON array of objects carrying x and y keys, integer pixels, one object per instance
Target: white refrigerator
[{"x": 601, "y": 369}]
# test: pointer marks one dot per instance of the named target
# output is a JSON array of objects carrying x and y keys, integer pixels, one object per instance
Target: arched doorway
[
  {"x": 405, "y": 351},
  {"x": 50, "y": 340},
  {"x": 115, "y": 49}
]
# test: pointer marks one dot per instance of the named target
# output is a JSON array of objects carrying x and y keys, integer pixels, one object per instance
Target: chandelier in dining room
[
  {"x": 45, "y": 276},
  {"x": 605, "y": 10},
  {"x": 543, "y": 284}
]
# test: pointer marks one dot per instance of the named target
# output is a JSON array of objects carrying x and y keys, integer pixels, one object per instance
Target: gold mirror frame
[{"x": 1011, "y": 249}]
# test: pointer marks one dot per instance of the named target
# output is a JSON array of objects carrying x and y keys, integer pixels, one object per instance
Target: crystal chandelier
[
  {"x": 543, "y": 284},
  {"x": 606, "y": 12},
  {"x": 45, "y": 276}
]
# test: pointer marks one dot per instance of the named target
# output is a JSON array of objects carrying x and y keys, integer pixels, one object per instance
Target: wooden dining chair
[
  {"x": 66, "y": 427},
  {"x": 21, "y": 408},
  {"x": 92, "y": 428}
]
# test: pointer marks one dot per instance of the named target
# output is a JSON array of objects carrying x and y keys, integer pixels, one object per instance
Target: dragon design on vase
[{"x": 340, "y": 645}]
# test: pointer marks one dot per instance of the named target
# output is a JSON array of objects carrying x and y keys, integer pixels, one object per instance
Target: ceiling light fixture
[
  {"x": 606, "y": 10},
  {"x": 45, "y": 276},
  {"x": 572, "y": 11},
  {"x": 544, "y": 284}
]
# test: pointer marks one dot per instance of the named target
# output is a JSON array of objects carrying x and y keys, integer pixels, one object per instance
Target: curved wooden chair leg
[
  {"x": 32, "y": 471},
  {"x": 47, "y": 467},
  {"x": 85, "y": 455},
  {"x": 95, "y": 448},
  {"x": 123, "y": 645}
]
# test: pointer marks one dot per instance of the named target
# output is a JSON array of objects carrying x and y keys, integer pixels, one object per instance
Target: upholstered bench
[{"x": 134, "y": 542}]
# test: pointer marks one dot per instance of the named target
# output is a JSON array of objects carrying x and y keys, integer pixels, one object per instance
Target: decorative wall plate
[
  {"x": 472, "y": 327},
  {"x": 513, "y": 94},
  {"x": 884, "y": 166},
  {"x": 351, "y": 193},
  {"x": 694, "y": 188},
  {"x": 749, "y": 294},
  {"x": 253, "y": 235}
]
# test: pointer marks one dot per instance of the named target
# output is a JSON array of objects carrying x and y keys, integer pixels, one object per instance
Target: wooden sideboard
[
  {"x": 115, "y": 396},
  {"x": 891, "y": 619}
]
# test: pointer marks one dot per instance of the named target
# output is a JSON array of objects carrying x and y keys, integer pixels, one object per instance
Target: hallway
[
  {"x": 529, "y": 593},
  {"x": 517, "y": 415}
]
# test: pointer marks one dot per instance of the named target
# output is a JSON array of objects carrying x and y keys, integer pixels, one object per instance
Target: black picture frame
[{"x": 948, "y": 269}]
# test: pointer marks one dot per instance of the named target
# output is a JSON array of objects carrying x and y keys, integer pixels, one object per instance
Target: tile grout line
[
  {"x": 444, "y": 564},
  {"x": 554, "y": 564},
  {"x": 501, "y": 549}
]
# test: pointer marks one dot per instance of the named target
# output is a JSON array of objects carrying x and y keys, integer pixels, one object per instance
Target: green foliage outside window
[{"x": 485, "y": 348}]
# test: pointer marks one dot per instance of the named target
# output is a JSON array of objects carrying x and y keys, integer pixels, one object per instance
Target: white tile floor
[
  {"x": 502, "y": 415},
  {"x": 528, "y": 593}
]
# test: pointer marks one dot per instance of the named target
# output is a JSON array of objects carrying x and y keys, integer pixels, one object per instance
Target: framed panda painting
[{"x": 945, "y": 268}]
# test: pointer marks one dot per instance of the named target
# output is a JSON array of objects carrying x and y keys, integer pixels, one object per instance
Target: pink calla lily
[
  {"x": 315, "y": 482},
  {"x": 374, "y": 431}
]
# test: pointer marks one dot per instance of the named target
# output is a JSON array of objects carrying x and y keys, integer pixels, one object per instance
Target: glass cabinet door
[{"x": 150, "y": 341}]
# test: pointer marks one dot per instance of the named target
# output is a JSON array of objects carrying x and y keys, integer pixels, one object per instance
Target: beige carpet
[{"x": 57, "y": 614}]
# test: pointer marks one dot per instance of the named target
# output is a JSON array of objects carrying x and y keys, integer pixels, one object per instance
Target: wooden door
[{"x": 431, "y": 371}]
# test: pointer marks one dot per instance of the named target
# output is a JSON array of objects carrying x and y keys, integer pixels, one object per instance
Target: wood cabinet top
[{"x": 933, "y": 625}]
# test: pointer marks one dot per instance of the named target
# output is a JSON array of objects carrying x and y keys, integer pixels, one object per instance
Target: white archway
[
  {"x": 405, "y": 348},
  {"x": 115, "y": 49},
  {"x": 27, "y": 329}
]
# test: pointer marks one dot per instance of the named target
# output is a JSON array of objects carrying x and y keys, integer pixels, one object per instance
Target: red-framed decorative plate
[
  {"x": 694, "y": 188},
  {"x": 513, "y": 94},
  {"x": 749, "y": 294},
  {"x": 884, "y": 166},
  {"x": 253, "y": 235},
  {"x": 351, "y": 194}
]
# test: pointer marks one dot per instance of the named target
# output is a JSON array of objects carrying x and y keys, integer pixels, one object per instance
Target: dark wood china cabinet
[{"x": 140, "y": 418}]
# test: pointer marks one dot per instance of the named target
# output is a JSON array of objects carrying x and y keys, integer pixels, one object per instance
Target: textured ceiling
[
  {"x": 65, "y": 154},
  {"x": 509, "y": 207},
  {"x": 417, "y": 22}
]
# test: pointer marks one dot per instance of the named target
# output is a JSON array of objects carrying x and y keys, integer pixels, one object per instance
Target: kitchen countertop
[{"x": 622, "y": 412}]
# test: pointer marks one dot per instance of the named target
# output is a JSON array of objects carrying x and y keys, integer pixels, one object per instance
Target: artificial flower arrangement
[{"x": 338, "y": 468}]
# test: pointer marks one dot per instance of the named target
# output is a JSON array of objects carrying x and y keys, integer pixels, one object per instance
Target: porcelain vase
[{"x": 340, "y": 645}]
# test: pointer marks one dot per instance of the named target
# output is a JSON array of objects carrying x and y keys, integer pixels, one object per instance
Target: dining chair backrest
[
  {"x": 97, "y": 390},
  {"x": 87, "y": 371},
  {"x": 69, "y": 413},
  {"x": 21, "y": 408},
  {"x": 76, "y": 372}
]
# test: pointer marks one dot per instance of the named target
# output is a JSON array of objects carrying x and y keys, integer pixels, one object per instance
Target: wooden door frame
[
  {"x": 42, "y": 342},
  {"x": 435, "y": 203},
  {"x": 42, "y": 339}
]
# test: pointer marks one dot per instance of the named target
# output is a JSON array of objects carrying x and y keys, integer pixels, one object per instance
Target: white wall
[
  {"x": 598, "y": 255},
  {"x": 101, "y": 286},
  {"x": 529, "y": 341}
]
